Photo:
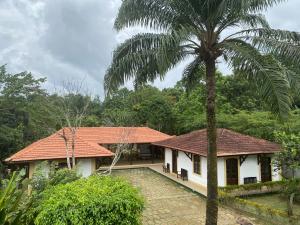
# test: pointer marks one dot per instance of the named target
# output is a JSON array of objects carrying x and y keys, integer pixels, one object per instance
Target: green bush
[
  {"x": 95, "y": 200},
  {"x": 42, "y": 180},
  {"x": 258, "y": 209},
  {"x": 62, "y": 176},
  {"x": 254, "y": 186},
  {"x": 14, "y": 200}
]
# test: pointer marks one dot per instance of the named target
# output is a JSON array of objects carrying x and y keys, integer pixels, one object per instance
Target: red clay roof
[
  {"x": 88, "y": 140},
  {"x": 113, "y": 135},
  {"x": 228, "y": 143},
  {"x": 53, "y": 147}
]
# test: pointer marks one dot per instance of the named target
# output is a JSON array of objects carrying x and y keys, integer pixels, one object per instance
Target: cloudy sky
[{"x": 73, "y": 40}]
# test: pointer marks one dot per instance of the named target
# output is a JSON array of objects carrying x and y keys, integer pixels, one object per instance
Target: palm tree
[{"x": 207, "y": 31}]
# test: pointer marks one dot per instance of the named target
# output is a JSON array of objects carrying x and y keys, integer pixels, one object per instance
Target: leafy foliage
[
  {"x": 43, "y": 179},
  {"x": 95, "y": 200},
  {"x": 289, "y": 161},
  {"x": 14, "y": 202},
  {"x": 186, "y": 28},
  {"x": 25, "y": 114},
  {"x": 289, "y": 158},
  {"x": 174, "y": 110}
]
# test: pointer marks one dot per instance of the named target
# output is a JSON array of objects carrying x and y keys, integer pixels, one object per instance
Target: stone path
[{"x": 168, "y": 203}]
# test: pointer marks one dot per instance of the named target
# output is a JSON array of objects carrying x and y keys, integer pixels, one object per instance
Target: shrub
[
  {"x": 258, "y": 209},
  {"x": 255, "y": 186},
  {"x": 14, "y": 201},
  {"x": 62, "y": 176},
  {"x": 43, "y": 179},
  {"x": 95, "y": 200}
]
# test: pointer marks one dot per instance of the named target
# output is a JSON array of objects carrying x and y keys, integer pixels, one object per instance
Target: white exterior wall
[
  {"x": 184, "y": 162},
  {"x": 45, "y": 167},
  {"x": 221, "y": 173},
  {"x": 168, "y": 157},
  {"x": 84, "y": 167},
  {"x": 249, "y": 168}
]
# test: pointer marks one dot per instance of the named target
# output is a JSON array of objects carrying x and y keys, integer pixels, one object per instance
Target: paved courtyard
[{"x": 168, "y": 203}]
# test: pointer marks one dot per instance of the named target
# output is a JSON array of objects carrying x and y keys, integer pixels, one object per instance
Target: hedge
[
  {"x": 95, "y": 200},
  {"x": 254, "y": 186},
  {"x": 260, "y": 210}
]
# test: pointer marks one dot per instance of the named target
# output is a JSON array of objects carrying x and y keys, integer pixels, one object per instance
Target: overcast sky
[{"x": 73, "y": 40}]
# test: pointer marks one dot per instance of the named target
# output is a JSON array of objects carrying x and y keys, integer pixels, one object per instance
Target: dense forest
[{"x": 28, "y": 112}]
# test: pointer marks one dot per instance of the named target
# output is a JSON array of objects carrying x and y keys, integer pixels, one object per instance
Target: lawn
[{"x": 274, "y": 201}]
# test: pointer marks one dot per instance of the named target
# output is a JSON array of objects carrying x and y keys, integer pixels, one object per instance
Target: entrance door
[
  {"x": 174, "y": 161},
  {"x": 265, "y": 169},
  {"x": 232, "y": 174}
]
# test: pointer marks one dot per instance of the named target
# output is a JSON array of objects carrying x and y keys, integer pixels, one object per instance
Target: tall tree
[
  {"x": 207, "y": 30},
  {"x": 25, "y": 113}
]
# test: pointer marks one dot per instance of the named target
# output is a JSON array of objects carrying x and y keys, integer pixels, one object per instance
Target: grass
[{"x": 274, "y": 201}]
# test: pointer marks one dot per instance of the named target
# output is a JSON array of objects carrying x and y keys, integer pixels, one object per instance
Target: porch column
[{"x": 152, "y": 153}]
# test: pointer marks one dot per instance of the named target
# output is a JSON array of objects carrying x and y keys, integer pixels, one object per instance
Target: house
[
  {"x": 241, "y": 158},
  {"x": 92, "y": 146}
]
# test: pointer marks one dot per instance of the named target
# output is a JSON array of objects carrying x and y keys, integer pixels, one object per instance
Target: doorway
[
  {"x": 174, "y": 161},
  {"x": 265, "y": 169},
  {"x": 232, "y": 172}
]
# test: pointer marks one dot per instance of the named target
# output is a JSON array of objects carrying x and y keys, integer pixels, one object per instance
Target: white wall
[
  {"x": 186, "y": 163},
  {"x": 168, "y": 157},
  {"x": 84, "y": 167},
  {"x": 249, "y": 168},
  {"x": 221, "y": 172},
  {"x": 45, "y": 167}
]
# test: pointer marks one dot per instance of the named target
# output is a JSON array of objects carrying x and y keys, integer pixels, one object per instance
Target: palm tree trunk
[{"x": 212, "y": 181}]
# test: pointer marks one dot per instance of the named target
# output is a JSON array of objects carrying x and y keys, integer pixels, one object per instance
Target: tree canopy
[{"x": 173, "y": 110}]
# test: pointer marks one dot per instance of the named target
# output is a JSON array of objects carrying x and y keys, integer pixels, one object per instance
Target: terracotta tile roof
[
  {"x": 53, "y": 147},
  {"x": 228, "y": 143},
  {"x": 113, "y": 135},
  {"x": 88, "y": 140}
]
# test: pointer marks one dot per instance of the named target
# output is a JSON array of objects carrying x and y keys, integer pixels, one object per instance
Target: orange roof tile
[
  {"x": 228, "y": 143},
  {"x": 88, "y": 140},
  {"x": 53, "y": 147},
  {"x": 113, "y": 135}
]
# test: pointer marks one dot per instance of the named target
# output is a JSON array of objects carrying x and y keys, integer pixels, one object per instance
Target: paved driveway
[{"x": 168, "y": 203}]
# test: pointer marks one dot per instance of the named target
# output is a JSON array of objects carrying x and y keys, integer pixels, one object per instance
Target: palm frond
[
  {"x": 156, "y": 14},
  {"x": 265, "y": 71},
  {"x": 276, "y": 34},
  {"x": 284, "y": 44},
  {"x": 222, "y": 7},
  {"x": 250, "y": 20},
  {"x": 154, "y": 53},
  {"x": 193, "y": 73},
  {"x": 284, "y": 49},
  {"x": 293, "y": 74}
]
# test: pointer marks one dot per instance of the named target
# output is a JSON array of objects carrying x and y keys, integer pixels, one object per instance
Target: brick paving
[{"x": 168, "y": 203}]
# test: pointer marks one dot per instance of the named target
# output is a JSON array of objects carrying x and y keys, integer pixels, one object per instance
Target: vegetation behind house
[{"x": 28, "y": 112}]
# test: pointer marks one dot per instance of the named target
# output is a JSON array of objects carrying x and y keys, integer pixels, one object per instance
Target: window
[{"x": 197, "y": 164}]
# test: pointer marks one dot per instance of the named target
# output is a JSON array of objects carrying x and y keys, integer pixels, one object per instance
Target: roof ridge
[
  {"x": 229, "y": 143},
  {"x": 252, "y": 137}
]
